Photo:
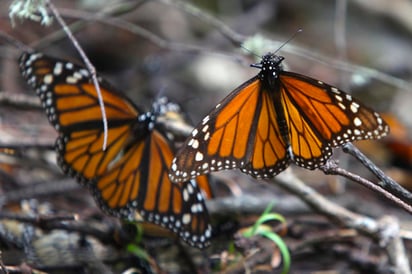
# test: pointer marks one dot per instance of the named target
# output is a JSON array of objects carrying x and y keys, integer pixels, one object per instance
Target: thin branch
[
  {"x": 69, "y": 223},
  {"x": 366, "y": 225},
  {"x": 19, "y": 100},
  {"x": 386, "y": 182},
  {"x": 13, "y": 41},
  {"x": 332, "y": 168},
  {"x": 230, "y": 34},
  {"x": 38, "y": 220},
  {"x": 146, "y": 34},
  {"x": 110, "y": 10},
  {"x": 89, "y": 66},
  {"x": 47, "y": 189},
  {"x": 340, "y": 28},
  {"x": 394, "y": 245},
  {"x": 288, "y": 181}
]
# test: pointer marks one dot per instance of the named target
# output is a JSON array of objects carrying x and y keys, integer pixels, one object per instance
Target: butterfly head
[
  {"x": 146, "y": 121},
  {"x": 269, "y": 66}
]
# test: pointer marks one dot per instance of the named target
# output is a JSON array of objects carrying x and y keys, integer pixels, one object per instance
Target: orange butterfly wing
[
  {"x": 132, "y": 173},
  {"x": 241, "y": 132}
]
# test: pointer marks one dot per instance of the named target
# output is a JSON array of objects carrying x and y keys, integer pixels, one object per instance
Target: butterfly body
[
  {"x": 131, "y": 173},
  {"x": 275, "y": 118}
]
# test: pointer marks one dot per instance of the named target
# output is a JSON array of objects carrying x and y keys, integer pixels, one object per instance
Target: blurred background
[{"x": 196, "y": 52}]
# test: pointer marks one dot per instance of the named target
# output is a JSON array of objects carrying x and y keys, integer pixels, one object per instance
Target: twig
[
  {"x": 37, "y": 190},
  {"x": 396, "y": 250},
  {"x": 332, "y": 168},
  {"x": 105, "y": 235},
  {"x": 19, "y": 100},
  {"x": 334, "y": 212},
  {"x": 255, "y": 204},
  {"x": 146, "y": 34},
  {"x": 288, "y": 181},
  {"x": 2, "y": 266},
  {"x": 89, "y": 66},
  {"x": 386, "y": 183},
  {"x": 14, "y": 41},
  {"x": 38, "y": 220},
  {"x": 340, "y": 29},
  {"x": 229, "y": 33},
  {"x": 232, "y": 35},
  {"x": 309, "y": 54}
]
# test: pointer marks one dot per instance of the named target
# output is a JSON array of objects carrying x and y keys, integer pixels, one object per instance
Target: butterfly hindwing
[{"x": 179, "y": 207}]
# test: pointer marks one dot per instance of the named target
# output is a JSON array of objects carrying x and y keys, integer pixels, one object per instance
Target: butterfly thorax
[
  {"x": 142, "y": 127},
  {"x": 270, "y": 66}
]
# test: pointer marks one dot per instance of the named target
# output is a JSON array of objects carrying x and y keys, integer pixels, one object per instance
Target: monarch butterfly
[
  {"x": 275, "y": 118},
  {"x": 132, "y": 173}
]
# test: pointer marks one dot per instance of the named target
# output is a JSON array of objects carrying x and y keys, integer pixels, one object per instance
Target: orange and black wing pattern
[
  {"x": 275, "y": 118},
  {"x": 320, "y": 116},
  {"x": 241, "y": 132},
  {"x": 131, "y": 174},
  {"x": 70, "y": 100},
  {"x": 179, "y": 207}
]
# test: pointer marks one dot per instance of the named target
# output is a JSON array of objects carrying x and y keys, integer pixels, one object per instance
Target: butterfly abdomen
[{"x": 271, "y": 66}]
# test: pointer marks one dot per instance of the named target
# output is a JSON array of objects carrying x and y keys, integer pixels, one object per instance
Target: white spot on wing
[
  {"x": 357, "y": 122},
  {"x": 48, "y": 79},
  {"x": 354, "y": 107},
  {"x": 199, "y": 156},
  {"x": 58, "y": 68}
]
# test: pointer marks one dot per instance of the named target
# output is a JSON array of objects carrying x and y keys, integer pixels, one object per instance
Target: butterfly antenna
[
  {"x": 251, "y": 52},
  {"x": 287, "y": 41}
]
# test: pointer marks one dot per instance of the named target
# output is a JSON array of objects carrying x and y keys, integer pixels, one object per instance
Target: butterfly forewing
[{"x": 69, "y": 96}]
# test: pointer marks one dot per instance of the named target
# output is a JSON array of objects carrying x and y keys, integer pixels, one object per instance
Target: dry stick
[
  {"x": 366, "y": 225},
  {"x": 236, "y": 37},
  {"x": 288, "y": 181},
  {"x": 331, "y": 168},
  {"x": 308, "y": 54},
  {"x": 386, "y": 183},
  {"x": 89, "y": 66},
  {"x": 38, "y": 190},
  {"x": 146, "y": 34},
  {"x": 69, "y": 223},
  {"x": 76, "y": 26},
  {"x": 394, "y": 245},
  {"x": 229, "y": 33},
  {"x": 13, "y": 41},
  {"x": 19, "y": 100}
]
